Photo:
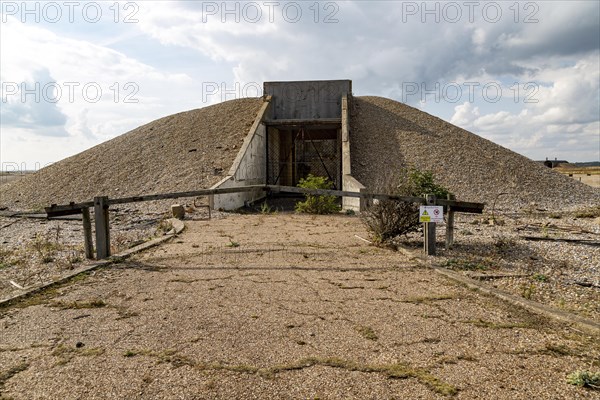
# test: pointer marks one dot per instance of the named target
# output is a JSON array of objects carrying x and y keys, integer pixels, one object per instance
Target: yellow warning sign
[{"x": 431, "y": 214}]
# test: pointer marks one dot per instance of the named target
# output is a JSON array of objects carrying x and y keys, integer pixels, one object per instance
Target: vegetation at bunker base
[{"x": 317, "y": 204}]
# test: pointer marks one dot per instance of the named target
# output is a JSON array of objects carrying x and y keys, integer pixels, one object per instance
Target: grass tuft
[
  {"x": 367, "y": 332},
  {"x": 591, "y": 212},
  {"x": 585, "y": 379},
  {"x": 393, "y": 371},
  {"x": 428, "y": 299},
  {"x": 75, "y": 305},
  {"x": 9, "y": 373},
  {"x": 66, "y": 353},
  {"x": 493, "y": 325}
]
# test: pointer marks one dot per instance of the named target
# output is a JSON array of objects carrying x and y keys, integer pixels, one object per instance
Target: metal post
[
  {"x": 430, "y": 230},
  {"x": 87, "y": 233},
  {"x": 450, "y": 224},
  {"x": 102, "y": 227}
]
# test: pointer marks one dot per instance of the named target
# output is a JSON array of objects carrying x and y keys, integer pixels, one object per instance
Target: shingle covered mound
[
  {"x": 387, "y": 135},
  {"x": 185, "y": 151},
  {"x": 195, "y": 149}
]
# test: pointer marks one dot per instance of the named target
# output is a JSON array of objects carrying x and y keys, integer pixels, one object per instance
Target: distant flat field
[
  {"x": 6, "y": 177},
  {"x": 589, "y": 175}
]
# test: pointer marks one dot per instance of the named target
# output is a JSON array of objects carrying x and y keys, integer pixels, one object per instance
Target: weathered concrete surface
[
  {"x": 283, "y": 306},
  {"x": 307, "y": 99},
  {"x": 349, "y": 183}
]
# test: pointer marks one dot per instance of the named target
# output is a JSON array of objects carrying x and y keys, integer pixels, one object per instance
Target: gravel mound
[
  {"x": 195, "y": 149},
  {"x": 387, "y": 135},
  {"x": 184, "y": 151}
]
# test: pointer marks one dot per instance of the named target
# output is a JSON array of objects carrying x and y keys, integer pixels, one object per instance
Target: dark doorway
[{"x": 296, "y": 152}]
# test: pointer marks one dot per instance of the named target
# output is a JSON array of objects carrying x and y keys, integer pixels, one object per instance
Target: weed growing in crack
[
  {"x": 392, "y": 371},
  {"x": 67, "y": 353},
  {"x": 9, "y": 373},
  {"x": 75, "y": 305},
  {"x": 494, "y": 325},
  {"x": 367, "y": 332}
]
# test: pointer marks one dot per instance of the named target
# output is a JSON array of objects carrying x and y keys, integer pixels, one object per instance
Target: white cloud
[
  {"x": 83, "y": 92},
  {"x": 465, "y": 115},
  {"x": 31, "y": 111},
  {"x": 376, "y": 44},
  {"x": 564, "y": 117}
]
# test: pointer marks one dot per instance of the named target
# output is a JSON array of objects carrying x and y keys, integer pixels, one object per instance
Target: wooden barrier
[
  {"x": 87, "y": 233},
  {"x": 429, "y": 230},
  {"x": 101, "y": 205},
  {"x": 450, "y": 224},
  {"x": 101, "y": 208}
]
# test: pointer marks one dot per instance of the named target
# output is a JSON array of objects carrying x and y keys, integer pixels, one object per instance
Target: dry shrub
[
  {"x": 45, "y": 247},
  {"x": 387, "y": 219}
]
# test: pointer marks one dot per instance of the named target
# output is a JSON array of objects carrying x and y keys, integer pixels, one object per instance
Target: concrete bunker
[{"x": 302, "y": 129}]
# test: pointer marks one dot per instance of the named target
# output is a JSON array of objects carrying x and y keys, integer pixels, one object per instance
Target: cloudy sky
[{"x": 525, "y": 75}]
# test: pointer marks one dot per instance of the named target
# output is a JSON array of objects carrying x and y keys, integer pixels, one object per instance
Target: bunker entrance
[
  {"x": 304, "y": 130},
  {"x": 295, "y": 152}
]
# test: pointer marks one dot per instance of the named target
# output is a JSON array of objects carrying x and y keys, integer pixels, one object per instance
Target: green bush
[
  {"x": 387, "y": 219},
  {"x": 423, "y": 183},
  {"x": 585, "y": 379},
  {"x": 317, "y": 204}
]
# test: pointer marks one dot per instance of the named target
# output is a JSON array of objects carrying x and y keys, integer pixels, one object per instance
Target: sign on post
[{"x": 431, "y": 214}]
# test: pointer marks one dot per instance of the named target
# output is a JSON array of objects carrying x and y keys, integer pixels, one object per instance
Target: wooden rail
[
  {"x": 101, "y": 206},
  {"x": 73, "y": 208}
]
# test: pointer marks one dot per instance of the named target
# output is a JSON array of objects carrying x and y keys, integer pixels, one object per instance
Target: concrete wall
[
  {"x": 352, "y": 203},
  {"x": 307, "y": 99},
  {"x": 349, "y": 183},
  {"x": 249, "y": 168}
]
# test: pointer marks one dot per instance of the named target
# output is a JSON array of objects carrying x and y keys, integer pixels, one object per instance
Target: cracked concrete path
[{"x": 281, "y": 306}]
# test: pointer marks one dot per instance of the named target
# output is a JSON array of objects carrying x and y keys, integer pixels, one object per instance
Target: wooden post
[
  {"x": 430, "y": 230},
  {"x": 102, "y": 227},
  {"x": 87, "y": 233},
  {"x": 450, "y": 224}
]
